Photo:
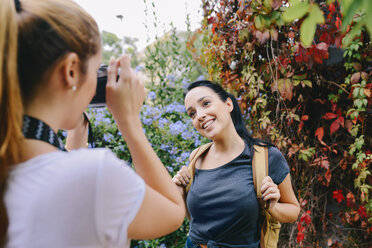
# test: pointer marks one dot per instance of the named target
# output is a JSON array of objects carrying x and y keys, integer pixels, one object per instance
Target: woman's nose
[{"x": 201, "y": 115}]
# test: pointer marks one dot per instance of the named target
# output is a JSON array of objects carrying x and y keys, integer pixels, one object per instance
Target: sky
[{"x": 134, "y": 17}]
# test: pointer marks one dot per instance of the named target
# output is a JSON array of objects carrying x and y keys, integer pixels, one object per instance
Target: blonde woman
[{"x": 49, "y": 55}]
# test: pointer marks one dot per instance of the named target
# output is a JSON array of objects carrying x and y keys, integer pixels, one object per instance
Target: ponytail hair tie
[{"x": 17, "y": 5}]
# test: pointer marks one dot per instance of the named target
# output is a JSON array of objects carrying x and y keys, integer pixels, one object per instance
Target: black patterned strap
[
  {"x": 36, "y": 129},
  {"x": 17, "y": 5}
]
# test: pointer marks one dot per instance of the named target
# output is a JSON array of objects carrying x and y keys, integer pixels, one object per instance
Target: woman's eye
[
  {"x": 192, "y": 114},
  {"x": 206, "y": 103}
]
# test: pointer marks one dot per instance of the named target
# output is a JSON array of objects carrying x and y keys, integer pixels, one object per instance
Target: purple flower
[
  {"x": 201, "y": 77},
  {"x": 151, "y": 95},
  {"x": 175, "y": 107},
  {"x": 177, "y": 128},
  {"x": 185, "y": 83},
  {"x": 147, "y": 121},
  {"x": 108, "y": 137},
  {"x": 186, "y": 135},
  {"x": 171, "y": 78},
  {"x": 162, "y": 122}
]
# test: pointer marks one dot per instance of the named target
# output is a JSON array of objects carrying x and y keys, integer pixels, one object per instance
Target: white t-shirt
[{"x": 83, "y": 198}]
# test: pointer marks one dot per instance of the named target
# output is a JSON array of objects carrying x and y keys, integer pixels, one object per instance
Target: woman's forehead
[{"x": 199, "y": 93}]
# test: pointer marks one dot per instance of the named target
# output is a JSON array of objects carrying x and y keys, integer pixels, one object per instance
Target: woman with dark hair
[
  {"x": 222, "y": 203},
  {"x": 50, "y": 51}
]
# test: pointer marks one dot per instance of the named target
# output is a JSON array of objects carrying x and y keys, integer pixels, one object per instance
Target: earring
[{"x": 73, "y": 88}]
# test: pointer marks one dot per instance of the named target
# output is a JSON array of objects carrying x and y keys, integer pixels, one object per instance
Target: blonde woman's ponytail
[{"x": 11, "y": 108}]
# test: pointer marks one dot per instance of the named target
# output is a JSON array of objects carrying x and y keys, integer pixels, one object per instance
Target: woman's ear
[
  {"x": 229, "y": 104},
  {"x": 71, "y": 70}
]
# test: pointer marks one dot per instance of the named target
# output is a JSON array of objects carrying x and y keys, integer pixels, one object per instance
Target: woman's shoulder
[
  {"x": 274, "y": 152},
  {"x": 97, "y": 157}
]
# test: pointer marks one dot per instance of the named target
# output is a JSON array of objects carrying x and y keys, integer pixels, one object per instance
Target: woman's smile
[{"x": 208, "y": 124}]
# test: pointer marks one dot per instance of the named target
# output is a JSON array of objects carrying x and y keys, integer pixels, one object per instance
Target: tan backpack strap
[
  {"x": 260, "y": 168},
  {"x": 200, "y": 150}
]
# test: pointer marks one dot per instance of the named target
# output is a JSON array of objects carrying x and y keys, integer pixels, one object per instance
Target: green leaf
[
  {"x": 300, "y": 77},
  {"x": 296, "y": 11},
  {"x": 275, "y": 15},
  {"x": 316, "y": 14},
  {"x": 349, "y": 12},
  {"x": 307, "y": 32},
  {"x": 308, "y": 27},
  {"x": 368, "y": 17},
  {"x": 308, "y": 83},
  {"x": 259, "y": 22}
]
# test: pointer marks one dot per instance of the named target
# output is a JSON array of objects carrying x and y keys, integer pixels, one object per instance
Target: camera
[{"x": 99, "y": 99}]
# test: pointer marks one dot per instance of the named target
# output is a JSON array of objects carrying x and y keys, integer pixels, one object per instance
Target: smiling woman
[{"x": 223, "y": 173}]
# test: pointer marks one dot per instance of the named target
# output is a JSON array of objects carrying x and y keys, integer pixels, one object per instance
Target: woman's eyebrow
[{"x": 199, "y": 100}]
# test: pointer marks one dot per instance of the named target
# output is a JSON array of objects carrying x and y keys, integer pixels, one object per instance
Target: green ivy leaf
[
  {"x": 259, "y": 22},
  {"x": 349, "y": 10},
  {"x": 307, "y": 32},
  {"x": 308, "y": 27},
  {"x": 308, "y": 83},
  {"x": 296, "y": 11}
]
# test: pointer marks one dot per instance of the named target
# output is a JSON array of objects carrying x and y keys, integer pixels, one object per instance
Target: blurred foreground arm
[{"x": 162, "y": 210}]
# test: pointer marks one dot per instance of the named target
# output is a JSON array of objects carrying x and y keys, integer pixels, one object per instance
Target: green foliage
[
  {"x": 314, "y": 15},
  {"x": 111, "y": 45}
]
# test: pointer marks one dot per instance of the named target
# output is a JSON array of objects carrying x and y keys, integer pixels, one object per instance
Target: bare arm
[
  {"x": 283, "y": 203},
  {"x": 162, "y": 210}
]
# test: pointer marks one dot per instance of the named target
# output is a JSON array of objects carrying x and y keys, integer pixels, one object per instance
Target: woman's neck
[{"x": 229, "y": 141}]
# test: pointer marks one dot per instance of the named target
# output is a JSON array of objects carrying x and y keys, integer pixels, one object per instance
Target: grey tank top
[{"x": 223, "y": 205}]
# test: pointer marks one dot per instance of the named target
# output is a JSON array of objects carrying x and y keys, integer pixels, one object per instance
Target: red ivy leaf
[
  {"x": 325, "y": 164},
  {"x": 300, "y": 237},
  {"x": 355, "y": 77},
  {"x": 300, "y": 126},
  {"x": 337, "y": 194},
  {"x": 338, "y": 22},
  {"x": 332, "y": 7},
  {"x": 341, "y": 120},
  {"x": 319, "y": 133},
  {"x": 328, "y": 175},
  {"x": 335, "y": 126},
  {"x": 362, "y": 211},
  {"x": 300, "y": 228},
  {"x": 304, "y": 117},
  {"x": 320, "y": 52},
  {"x": 211, "y": 20},
  {"x": 329, "y": 116},
  {"x": 350, "y": 200},
  {"x": 306, "y": 217}
]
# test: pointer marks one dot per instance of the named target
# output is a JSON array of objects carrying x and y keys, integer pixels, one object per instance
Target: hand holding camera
[{"x": 124, "y": 95}]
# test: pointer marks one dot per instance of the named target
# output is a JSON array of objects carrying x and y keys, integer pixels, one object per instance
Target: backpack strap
[
  {"x": 260, "y": 168},
  {"x": 200, "y": 150}
]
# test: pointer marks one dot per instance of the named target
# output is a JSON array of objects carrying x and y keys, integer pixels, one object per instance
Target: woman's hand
[
  {"x": 124, "y": 97},
  {"x": 182, "y": 178},
  {"x": 270, "y": 191}
]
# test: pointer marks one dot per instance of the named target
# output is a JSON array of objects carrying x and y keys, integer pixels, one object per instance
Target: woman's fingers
[
  {"x": 112, "y": 72},
  {"x": 125, "y": 96},
  {"x": 270, "y": 191},
  {"x": 182, "y": 177}
]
